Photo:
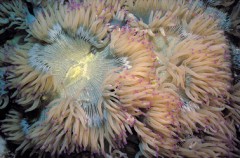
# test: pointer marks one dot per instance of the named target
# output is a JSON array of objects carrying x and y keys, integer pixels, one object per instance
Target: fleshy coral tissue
[{"x": 95, "y": 72}]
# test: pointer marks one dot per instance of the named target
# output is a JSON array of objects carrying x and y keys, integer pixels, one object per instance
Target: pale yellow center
[{"x": 78, "y": 71}]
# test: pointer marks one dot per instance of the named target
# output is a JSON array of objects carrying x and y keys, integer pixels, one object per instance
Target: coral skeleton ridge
[{"x": 87, "y": 75}]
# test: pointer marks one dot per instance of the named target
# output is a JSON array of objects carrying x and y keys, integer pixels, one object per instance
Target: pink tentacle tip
[
  {"x": 140, "y": 80},
  {"x": 149, "y": 106}
]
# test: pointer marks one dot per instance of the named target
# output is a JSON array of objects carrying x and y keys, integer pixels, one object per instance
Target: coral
[
  {"x": 12, "y": 126},
  {"x": 235, "y": 20},
  {"x": 3, "y": 148},
  {"x": 4, "y": 99},
  {"x": 95, "y": 72},
  {"x": 14, "y": 14},
  {"x": 224, "y": 3}
]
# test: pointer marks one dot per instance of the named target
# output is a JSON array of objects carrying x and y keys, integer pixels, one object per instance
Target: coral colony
[{"x": 96, "y": 72}]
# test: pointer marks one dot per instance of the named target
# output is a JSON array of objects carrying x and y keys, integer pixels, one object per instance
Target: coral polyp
[{"x": 89, "y": 75}]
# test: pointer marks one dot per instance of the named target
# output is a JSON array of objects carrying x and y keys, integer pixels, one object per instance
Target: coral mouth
[{"x": 78, "y": 68}]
